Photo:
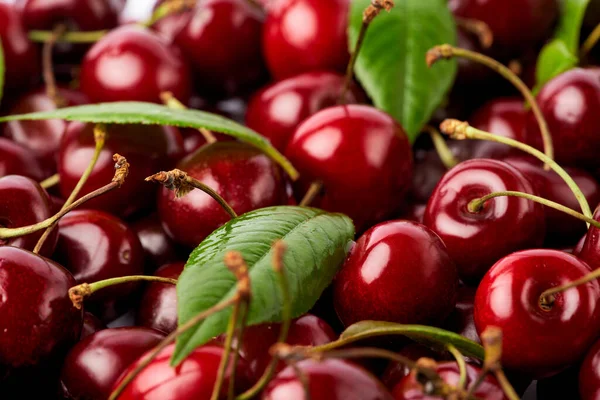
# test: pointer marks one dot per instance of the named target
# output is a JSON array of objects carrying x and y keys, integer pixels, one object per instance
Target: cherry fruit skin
[
  {"x": 95, "y": 363},
  {"x": 306, "y": 35},
  {"x": 16, "y": 159},
  {"x": 361, "y": 155},
  {"x": 158, "y": 247},
  {"x": 134, "y": 64},
  {"x": 77, "y": 15},
  {"x": 91, "y": 325},
  {"x": 588, "y": 248},
  {"x": 461, "y": 320},
  {"x": 398, "y": 271},
  {"x": 476, "y": 240},
  {"x": 330, "y": 379},
  {"x": 589, "y": 374},
  {"x": 508, "y": 297}
]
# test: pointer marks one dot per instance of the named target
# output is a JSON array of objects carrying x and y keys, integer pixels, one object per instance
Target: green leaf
[
  {"x": 317, "y": 243},
  {"x": 391, "y": 63},
  {"x": 155, "y": 114},
  {"x": 569, "y": 26}
]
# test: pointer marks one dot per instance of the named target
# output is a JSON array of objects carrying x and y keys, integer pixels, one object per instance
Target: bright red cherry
[
  {"x": 589, "y": 374},
  {"x": 159, "y": 249},
  {"x": 306, "y": 35},
  {"x": 327, "y": 380},
  {"x": 95, "y": 246},
  {"x": 133, "y": 63},
  {"x": 16, "y": 159},
  {"x": 276, "y": 110},
  {"x": 539, "y": 339},
  {"x": 95, "y": 363},
  {"x": 476, "y": 240},
  {"x": 361, "y": 155},
  {"x": 398, "y": 271},
  {"x": 91, "y": 325}
]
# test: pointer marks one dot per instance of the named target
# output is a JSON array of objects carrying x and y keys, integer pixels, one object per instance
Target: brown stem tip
[
  {"x": 437, "y": 53},
  {"x": 122, "y": 169},
  {"x": 455, "y": 128},
  {"x": 175, "y": 180},
  {"x": 279, "y": 249},
  {"x": 491, "y": 339},
  {"x": 79, "y": 293},
  {"x": 375, "y": 8},
  {"x": 237, "y": 265},
  {"x": 478, "y": 28}
]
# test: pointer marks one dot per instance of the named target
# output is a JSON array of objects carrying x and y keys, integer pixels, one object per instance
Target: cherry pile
[{"x": 509, "y": 271}]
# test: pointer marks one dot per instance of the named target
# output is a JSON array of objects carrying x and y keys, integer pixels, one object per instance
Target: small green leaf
[
  {"x": 317, "y": 243},
  {"x": 391, "y": 64},
  {"x": 155, "y": 114},
  {"x": 569, "y": 26}
]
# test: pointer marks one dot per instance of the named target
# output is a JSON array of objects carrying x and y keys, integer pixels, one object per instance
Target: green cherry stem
[
  {"x": 441, "y": 147},
  {"x": 548, "y": 297},
  {"x": 70, "y": 37},
  {"x": 167, "y": 8},
  {"x": 48, "y": 68},
  {"x": 491, "y": 339},
  {"x": 590, "y": 42},
  {"x": 50, "y": 181},
  {"x": 446, "y": 51},
  {"x": 461, "y": 130},
  {"x": 462, "y": 367},
  {"x": 239, "y": 337},
  {"x": 170, "y": 101},
  {"x": 311, "y": 194}
]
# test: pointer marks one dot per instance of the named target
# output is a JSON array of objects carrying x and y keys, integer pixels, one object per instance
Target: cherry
[
  {"x": 589, "y": 374},
  {"x": 158, "y": 248},
  {"x": 569, "y": 103},
  {"x": 330, "y": 379},
  {"x": 78, "y": 15},
  {"x": 147, "y": 148},
  {"x": 132, "y": 63},
  {"x": 158, "y": 307},
  {"x": 95, "y": 363},
  {"x": 193, "y": 379},
  {"x": 95, "y": 246},
  {"x": 476, "y": 240},
  {"x": 469, "y": 72},
  {"x": 277, "y": 110},
  {"x": 589, "y": 246},
  {"x": 241, "y": 174},
  {"x": 306, "y": 35},
  {"x": 398, "y": 271},
  {"x": 91, "y": 325},
  {"x": 395, "y": 371},
  {"x": 360, "y": 154},
  {"x": 16, "y": 159},
  {"x": 462, "y": 320},
  {"x": 556, "y": 334}
]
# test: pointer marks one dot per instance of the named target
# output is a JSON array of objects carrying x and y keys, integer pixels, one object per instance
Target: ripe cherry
[
  {"x": 16, "y": 159},
  {"x": 588, "y": 248},
  {"x": 476, "y": 240},
  {"x": 306, "y": 35},
  {"x": 360, "y": 154},
  {"x": 398, "y": 271},
  {"x": 589, "y": 374},
  {"x": 95, "y": 363},
  {"x": 557, "y": 333},
  {"x": 78, "y": 15},
  {"x": 158, "y": 247},
  {"x": 91, "y": 325}
]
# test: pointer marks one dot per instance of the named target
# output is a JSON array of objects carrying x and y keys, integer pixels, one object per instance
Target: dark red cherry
[
  {"x": 569, "y": 103},
  {"x": 16, "y": 159},
  {"x": 95, "y": 363},
  {"x": 78, "y": 15},
  {"x": 589, "y": 374},
  {"x": 461, "y": 319},
  {"x": 539, "y": 340},
  {"x": 361, "y": 155},
  {"x": 133, "y": 63},
  {"x": 589, "y": 246},
  {"x": 395, "y": 371},
  {"x": 398, "y": 271},
  {"x": 95, "y": 246},
  {"x": 91, "y": 325},
  {"x": 306, "y": 35},
  {"x": 476, "y": 240},
  {"x": 158, "y": 307},
  {"x": 147, "y": 148},
  {"x": 276, "y": 110},
  {"x": 241, "y": 174},
  {"x": 470, "y": 73},
  {"x": 158, "y": 247},
  {"x": 193, "y": 379}
]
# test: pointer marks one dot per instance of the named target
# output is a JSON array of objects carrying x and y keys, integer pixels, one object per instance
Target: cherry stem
[
  {"x": 242, "y": 292},
  {"x": 122, "y": 169},
  {"x": 170, "y": 101},
  {"x": 478, "y": 28},
  {"x": 370, "y": 13},
  {"x": 50, "y": 182},
  {"x": 461, "y": 130},
  {"x": 168, "y": 8},
  {"x": 446, "y": 51},
  {"x": 181, "y": 183},
  {"x": 548, "y": 297},
  {"x": 48, "y": 69},
  {"x": 441, "y": 147},
  {"x": 79, "y": 293},
  {"x": 99, "y": 139},
  {"x": 69, "y": 37},
  {"x": 491, "y": 338},
  {"x": 302, "y": 378},
  {"x": 590, "y": 42},
  {"x": 462, "y": 367},
  {"x": 311, "y": 194},
  {"x": 239, "y": 338}
]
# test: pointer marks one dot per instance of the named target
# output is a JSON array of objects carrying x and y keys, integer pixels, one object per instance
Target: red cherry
[
  {"x": 95, "y": 246},
  {"x": 398, "y": 271},
  {"x": 589, "y": 374},
  {"x": 539, "y": 341},
  {"x": 78, "y": 15},
  {"x": 95, "y": 363},
  {"x": 476, "y": 240},
  {"x": 395, "y": 371},
  {"x": 589, "y": 246},
  {"x": 276, "y": 110},
  {"x": 16, "y": 159},
  {"x": 361, "y": 155},
  {"x": 330, "y": 379},
  {"x": 158, "y": 248},
  {"x": 132, "y": 63},
  {"x": 306, "y": 35},
  {"x": 91, "y": 325}
]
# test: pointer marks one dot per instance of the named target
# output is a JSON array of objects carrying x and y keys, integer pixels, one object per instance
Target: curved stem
[
  {"x": 50, "y": 182},
  {"x": 48, "y": 69},
  {"x": 244, "y": 308},
  {"x": 441, "y": 147},
  {"x": 508, "y": 389},
  {"x": 491, "y": 338},
  {"x": 478, "y": 28},
  {"x": 461, "y": 130},
  {"x": 233, "y": 320},
  {"x": 462, "y": 367},
  {"x": 547, "y": 298},
  {"x": 311, "y": 194},
  {"x": 167, "y": 8},
  {"x": 68, "y": 37},
  {"x": 447, "y": 51},
  {"x": 590, "y": 42}
]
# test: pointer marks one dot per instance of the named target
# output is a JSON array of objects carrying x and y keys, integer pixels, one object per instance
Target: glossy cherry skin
[
  {"x": 306, "y": 35},
  {"x": 91, "y": 325},
  {"x": 135, "y": 64},
  {"x": 330, "y": 379},
  {"x": 398, "y": 271},
  {"x": 38, "y": 321},
  {"x": 409, "y": 388},
  {"x": 95, "y": 246},
  {"x": 148, "y": 149},
  {"x": 588, "y": 248},
  {"x": 193, "y": 379},
  {"x": 476, "y": 240},
  {"x": 16, "y": 159},
  {"x": 158, "y": 247},
  {"x": 508, "y": 297},
  {"x": 78, "y": 15},
  {"x": 569, "y": 103},
  {"x": 461, "y": 320},
  {"x": 246, "y": 178},
  {"x": 158, "y": 307},
  {"x": 95, "y": 363},
  {"x": 589, "y": 374},
  {"x": 361, "y": 155},
  {"x": 276, "y": 110}
]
